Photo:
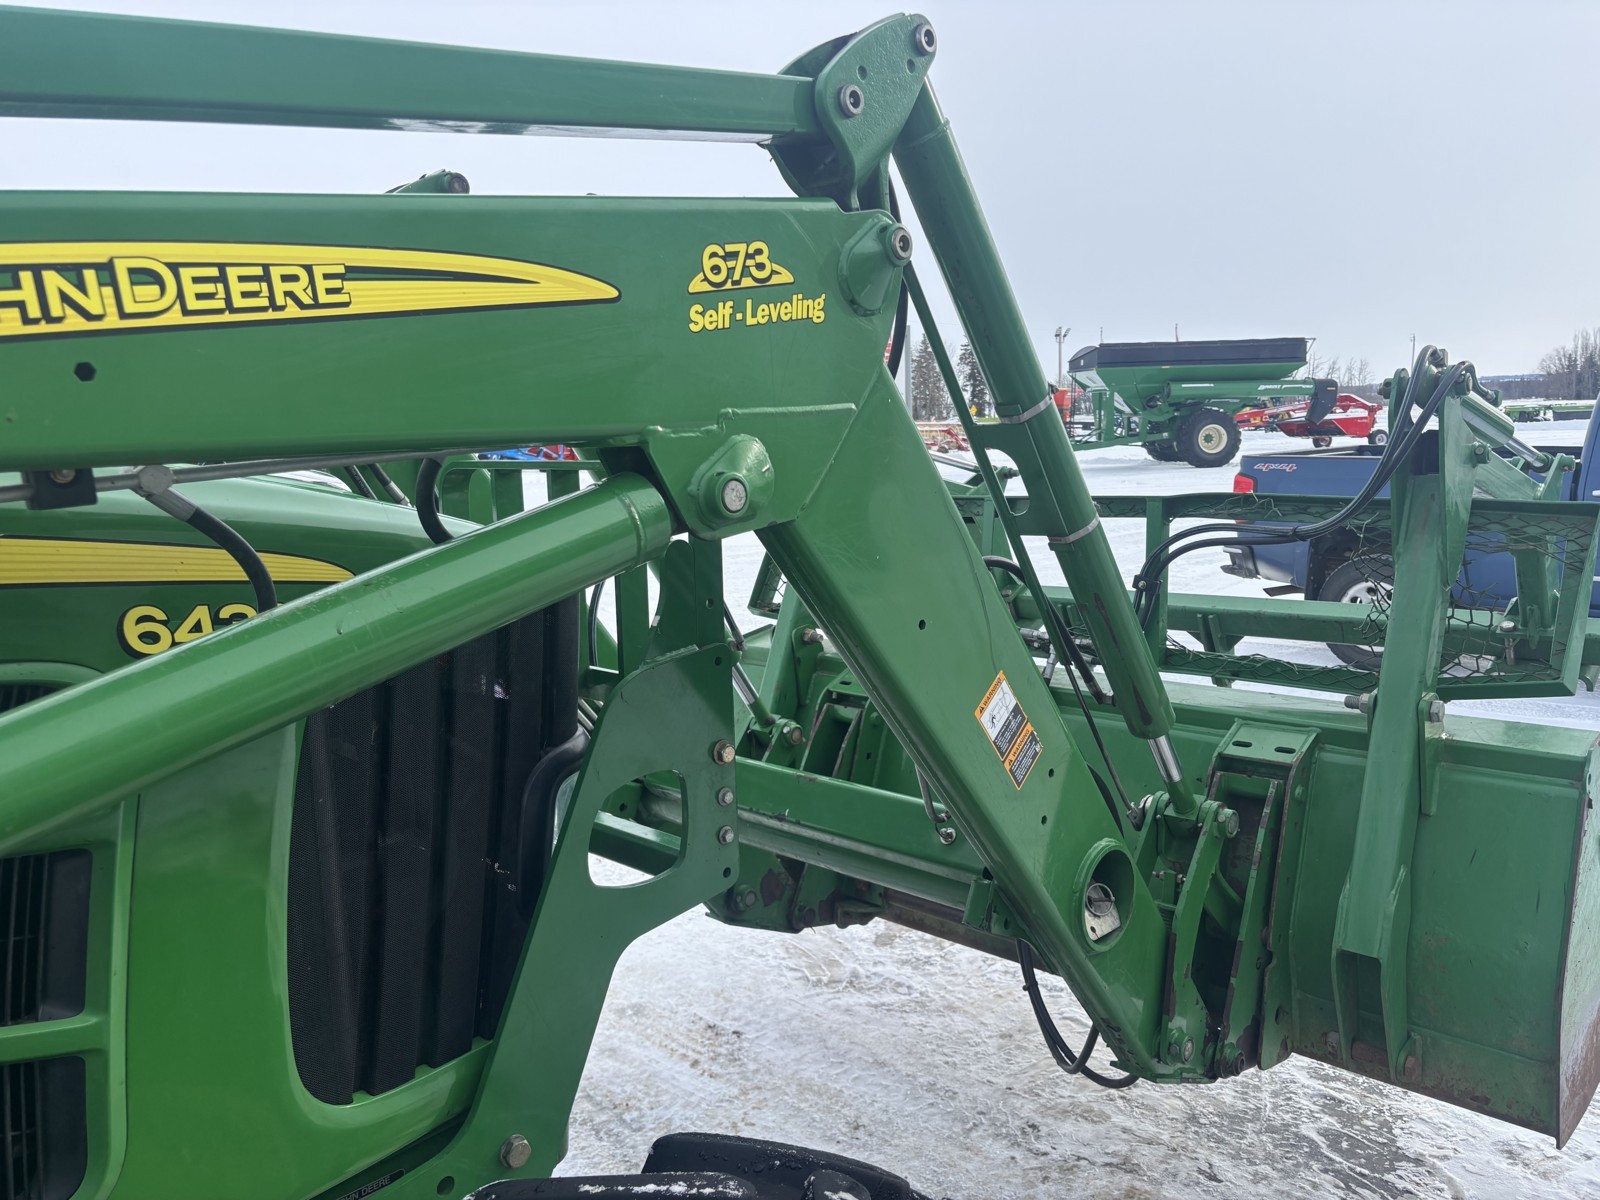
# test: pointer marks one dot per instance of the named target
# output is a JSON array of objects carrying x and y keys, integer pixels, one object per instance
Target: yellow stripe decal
[
  {"x": 38, "y": 562},
  {"x": 123, "y": 287}
]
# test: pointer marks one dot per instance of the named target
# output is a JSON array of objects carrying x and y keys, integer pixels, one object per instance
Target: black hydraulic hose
[
  {"x": 1064, "y": 636},
  {"x": 536, "y": 824},
  {"x": 1058, "y": 627},
  {"x": 388, "y": 485},
  {"x": 428, "y": 501},
  {"x": 593, "y": 623},
  {"x": 1393, "y": 452},
  {"x": 1148, "y": 582},
  {"x": 225, "y": 536},
  {"x": 1070, "y": 1062},
  {"x": 897, "y": 336},
  {"x": 358, "y": 481}
]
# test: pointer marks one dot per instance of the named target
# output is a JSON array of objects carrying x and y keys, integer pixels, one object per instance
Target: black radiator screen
[
  {"x": 404, "y": 927},
  {"x": 42, "y": 1108}
]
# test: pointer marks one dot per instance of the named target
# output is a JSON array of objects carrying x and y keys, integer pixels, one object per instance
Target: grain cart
[
  {"x": 299, "y": 785},
  {"x": 1178, "y": 399}
]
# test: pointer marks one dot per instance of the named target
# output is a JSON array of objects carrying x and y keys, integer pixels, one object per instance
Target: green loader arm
[{"x": 1261, "y": 879}]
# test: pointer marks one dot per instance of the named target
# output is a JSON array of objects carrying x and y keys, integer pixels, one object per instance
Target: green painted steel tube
[
  {"x": 68, "y": 754},
  {"x": 90, "y": 65},
  {"x": 948, "y": 208}
]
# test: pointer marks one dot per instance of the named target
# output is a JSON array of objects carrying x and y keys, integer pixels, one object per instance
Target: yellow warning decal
[
  {"x": 728, "y": 265},
  {"x": 53, "y": 562},
  {"x": 1010, "y": 732},
  {"x": 49, "y": 288}
]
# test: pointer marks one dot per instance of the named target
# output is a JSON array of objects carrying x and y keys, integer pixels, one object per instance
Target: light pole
[{"x": 1061, "y": 336}]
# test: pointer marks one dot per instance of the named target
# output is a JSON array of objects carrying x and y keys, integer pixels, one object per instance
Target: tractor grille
[
  {"x": 44, "y": 935},
  {"x": 43, "y": 1114},
  {"x": 404, "y": 925},
  {"x": 44, "y": 955}
]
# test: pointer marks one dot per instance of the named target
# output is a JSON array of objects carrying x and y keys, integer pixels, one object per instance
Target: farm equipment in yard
[
  {"x": 1179, "y": 399},
  {"x": 298, "y": 785},
  {"x": 1350, "y": 416}
]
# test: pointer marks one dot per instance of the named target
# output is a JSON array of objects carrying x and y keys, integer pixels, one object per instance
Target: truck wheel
[
  {"x": 1322, "y": 443},
  {"x": 1162, "y": 451},
  {"x": 1207, "y": 437},
  {"x": 1368, "y": 579},
  {"x": 1378, "y": 437}
]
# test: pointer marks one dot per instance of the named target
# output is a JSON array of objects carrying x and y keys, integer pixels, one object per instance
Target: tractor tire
[
  {"x": 1207, "y": 437},
  {"x": 1162, "y": 451},
  {"x": 1360, "y": 580},
  {"x": 1378, "y": 437}
]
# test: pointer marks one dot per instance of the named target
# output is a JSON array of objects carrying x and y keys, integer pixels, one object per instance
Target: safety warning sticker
[{"x": 1009, "y": 730}]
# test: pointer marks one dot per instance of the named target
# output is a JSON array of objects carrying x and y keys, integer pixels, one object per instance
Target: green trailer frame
[{"x": 258, "y": 330}]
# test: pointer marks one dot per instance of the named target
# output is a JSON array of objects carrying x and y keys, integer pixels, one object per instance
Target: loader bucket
[{"x": 1502, "y": 974}]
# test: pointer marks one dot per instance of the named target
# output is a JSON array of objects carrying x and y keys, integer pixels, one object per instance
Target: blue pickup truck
[{"x": 1334, "y": 568}]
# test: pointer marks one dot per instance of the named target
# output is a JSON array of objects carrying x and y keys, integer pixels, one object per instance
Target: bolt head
[
  {"x": 947, "y": 835},
  {"x": 852, "y": 100},
  {"x": 735, "y": 495},
  {"x": 722, "y": 753},
  {"x": 724, "y": 796},
  {"x": 63, "y": 475},
  {"x": 811, "y": 636},
  {"x": 1188, "y": 1049},
  {"x": 795, "y": 735},
  {"x": 1229, "y": 820},
  {"x": 1508, "y": 626},
  {"x": 900, "y": 244},
  {"x": 725, "y": 835},
  {"x": 747, "y": 899},
  {"x": 1436, "y": 711},
  {"x": 923, "y": 39},
  {"x": 515, "y": 1152}
]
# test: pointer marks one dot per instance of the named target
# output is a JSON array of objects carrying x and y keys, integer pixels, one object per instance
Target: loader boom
[{"x": 1223, "y": 881}]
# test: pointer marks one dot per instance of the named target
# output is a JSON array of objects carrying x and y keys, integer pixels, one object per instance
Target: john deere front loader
[{"x": 299, "y": 782}]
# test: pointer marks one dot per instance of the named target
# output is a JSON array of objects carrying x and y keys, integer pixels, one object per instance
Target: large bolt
[
  {"x": 515, "y": 1152},
  {"x": 1228, "y": 822},
  {"x": 923, "y": 39},
  {"x": 947, "y": 835},
  {"x": 1330, "y": 1042},
  {"x": 725, "y": 835},
  {"x": 1508, "y": 626},
  {"x": 735, "y": 495},
  {"x": 1188, "y": 1049},
  {"x": 1435, "y": 711},
  {"x": 722, "y": 753},
  {"x": 900, "y": 244},
  {"x": 852, "y": 101},
  {"x": 724, "y": 796},
  {"x": 794, "y": 735},
  {"x": 811, "y": 636},
  {"x": 63, "y": 475}
]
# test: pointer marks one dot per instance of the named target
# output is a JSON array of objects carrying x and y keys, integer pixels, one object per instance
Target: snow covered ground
[{"x": 923, "y": 1057}]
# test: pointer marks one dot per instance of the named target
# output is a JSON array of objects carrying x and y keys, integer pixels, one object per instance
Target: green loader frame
[{"x": 1225, "y": 878}]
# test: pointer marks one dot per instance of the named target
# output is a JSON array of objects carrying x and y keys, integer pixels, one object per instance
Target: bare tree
[{"x": 1572, "y": 372}]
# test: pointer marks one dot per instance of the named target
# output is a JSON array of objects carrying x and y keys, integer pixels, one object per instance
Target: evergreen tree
[
  {"x": 929, "y": 400},
  {"x": 972, "y": 381}
]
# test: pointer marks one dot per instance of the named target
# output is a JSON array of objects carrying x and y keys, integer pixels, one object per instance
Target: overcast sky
[{"x": 1356, "y": 172}]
